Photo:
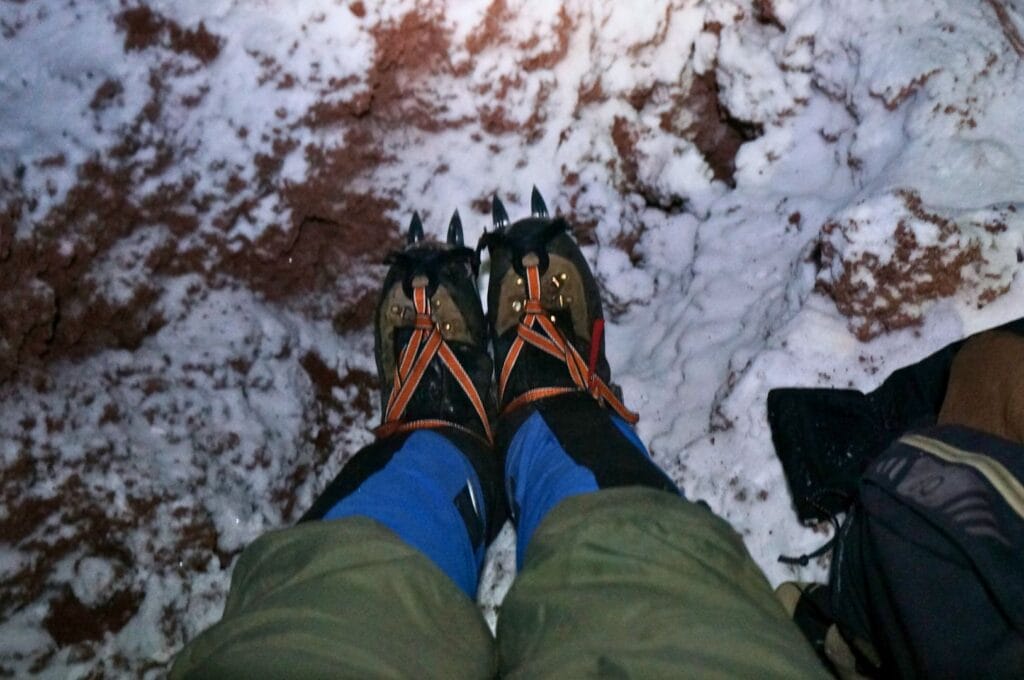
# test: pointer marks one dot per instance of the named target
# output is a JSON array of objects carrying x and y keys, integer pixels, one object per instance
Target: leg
[
  {"x": 592, "y": 449},
  {"x": 986, "y": 386},
  {"x": 623, "y": 576},
  {"x": 425, "y": 489},
  {"x": 379, "y": 578},
  {"x": 383, "y": 586}
]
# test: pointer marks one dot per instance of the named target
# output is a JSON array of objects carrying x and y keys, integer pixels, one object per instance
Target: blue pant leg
[
  {"x": 431, "y": 496},
  {"x": 540, "y": 472}
]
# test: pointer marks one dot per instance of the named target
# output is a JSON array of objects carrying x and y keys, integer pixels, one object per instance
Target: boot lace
[
  {"x": 537, "y": 330},
  {"x": 426, "y": 343}
]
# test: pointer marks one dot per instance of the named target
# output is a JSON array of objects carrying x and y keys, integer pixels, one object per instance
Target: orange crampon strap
[
  {"x": 425, "y": 344},
  {"x": 537, "y": 330}
]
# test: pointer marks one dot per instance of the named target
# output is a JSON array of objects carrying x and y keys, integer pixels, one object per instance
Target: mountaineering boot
[
  {"x": 431, "y": 338},
  {"x": 544, "y": 311},
  {"x": 431, "y": 343},
  {"x": 562, "y": 428}
]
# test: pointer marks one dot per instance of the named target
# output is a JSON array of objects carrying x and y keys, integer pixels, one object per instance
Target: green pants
[{"x": 620, "y": 583}]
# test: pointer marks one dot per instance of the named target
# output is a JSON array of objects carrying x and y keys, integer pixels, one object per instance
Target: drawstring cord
[{"x": 805, "y": 559}]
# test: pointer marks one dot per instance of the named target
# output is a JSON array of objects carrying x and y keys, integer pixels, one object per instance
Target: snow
[
  {"x": 92, "y": 581},
  {"x": 871, "y": 115}
]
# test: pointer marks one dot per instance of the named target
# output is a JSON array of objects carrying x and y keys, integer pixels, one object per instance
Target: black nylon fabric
[
  {"x": 368, "y": 461},
  {"x": 826, "y": 438},
  {"x": 929, "y": 567}
]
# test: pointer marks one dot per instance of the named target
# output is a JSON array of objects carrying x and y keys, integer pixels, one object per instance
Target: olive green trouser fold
[
  {"x": 621, "y": 583},
  {"x": 640, "y": 583},
  {"x": 340, "y": 599}
]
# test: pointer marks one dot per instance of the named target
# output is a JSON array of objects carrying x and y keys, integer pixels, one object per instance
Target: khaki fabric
[
  {"x": 620, "y": 583},
  {"x": 986, "y": 386},
  {"x": 637, "y": 583},
  {"x": 836, "y": 648},
  {"x": 341, "y": 599}
]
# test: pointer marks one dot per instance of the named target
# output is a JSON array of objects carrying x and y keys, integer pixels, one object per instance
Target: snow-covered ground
[{"x": 195, "y": 197}]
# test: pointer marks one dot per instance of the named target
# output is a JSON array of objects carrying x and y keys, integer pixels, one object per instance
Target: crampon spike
[
  {"x": 415, "y": 230},
  {"x": 537, "y": 206},
  {"x": 498, "y": 213},
  {"x": 455, "y": 237}
]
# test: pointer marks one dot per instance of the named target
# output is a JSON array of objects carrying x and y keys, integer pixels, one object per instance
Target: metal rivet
[
  {"x": 395, "y": 309},
  {"x": 517, "y": 305},
  {"x": 519, "y": 280},
  {"x": 555, "y": 281},
  {"x": 561, "y": 301},
  {"x": 563, "y": 276},
  {"x": 552, "y": 318},
  {"x": 568, "y": 300},
  {"x": 447, "y": 328}
]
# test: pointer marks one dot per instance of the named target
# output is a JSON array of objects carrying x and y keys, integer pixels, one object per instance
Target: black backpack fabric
[
  {"x": 927, "y": 575},
  {"x": 929, "y": 566},
  {"x": 826, "y": 438}
]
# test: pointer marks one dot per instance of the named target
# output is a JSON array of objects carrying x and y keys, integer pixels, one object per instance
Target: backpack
[
  {"x": 928, "y": 568},
  {"x": 927, "y": 575}
]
